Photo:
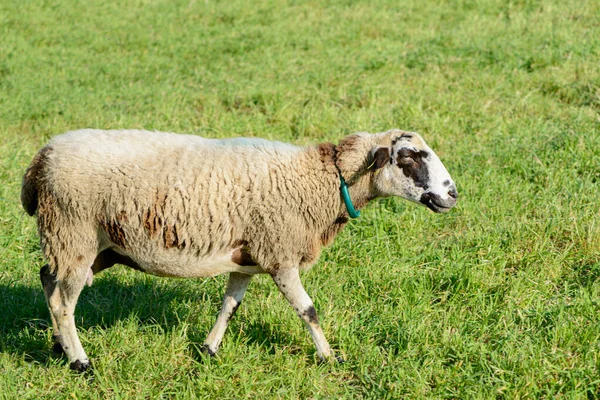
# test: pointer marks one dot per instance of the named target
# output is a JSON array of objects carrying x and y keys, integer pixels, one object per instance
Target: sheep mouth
[{"x": 436, "y": 204}]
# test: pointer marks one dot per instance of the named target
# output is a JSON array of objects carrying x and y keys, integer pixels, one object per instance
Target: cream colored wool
[{"x": 169, "y": 200}]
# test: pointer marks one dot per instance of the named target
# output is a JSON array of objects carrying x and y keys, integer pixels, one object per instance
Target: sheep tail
[{"x": 32, "y": 180}]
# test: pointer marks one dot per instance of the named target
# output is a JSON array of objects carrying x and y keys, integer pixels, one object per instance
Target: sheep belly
[{"x": 181, "y": 266}]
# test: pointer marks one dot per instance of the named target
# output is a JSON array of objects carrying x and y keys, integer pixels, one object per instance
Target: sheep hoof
[
  {"x": 205, "y": 349},
  {"x": 332, "y": 360},
  {"x": 80, "y": 366}
]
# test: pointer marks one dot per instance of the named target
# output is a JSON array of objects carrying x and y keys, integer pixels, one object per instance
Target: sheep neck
[{"x": 359, "y": 190}]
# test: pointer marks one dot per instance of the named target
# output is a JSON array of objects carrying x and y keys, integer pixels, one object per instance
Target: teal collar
[{"x": 352, "y": 212}]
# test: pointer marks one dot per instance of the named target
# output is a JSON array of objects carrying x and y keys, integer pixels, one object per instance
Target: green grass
[{"x": 498, "y": 299}]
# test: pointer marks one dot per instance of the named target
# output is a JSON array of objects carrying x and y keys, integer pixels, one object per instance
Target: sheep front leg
[
  {"x": 288, "y": 282},
  {"x": 236, "y": 288}
]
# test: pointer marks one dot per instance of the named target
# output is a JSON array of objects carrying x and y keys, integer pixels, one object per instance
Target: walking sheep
[{"x": 185, "y": 206}]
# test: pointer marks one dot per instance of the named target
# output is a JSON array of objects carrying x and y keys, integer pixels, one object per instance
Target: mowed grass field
[{"x": 499, "y": 298}]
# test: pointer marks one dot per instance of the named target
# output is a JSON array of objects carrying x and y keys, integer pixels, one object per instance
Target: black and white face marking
[
  {"x": 415, "y": 173},
  {"x": 413, "y": 165}
]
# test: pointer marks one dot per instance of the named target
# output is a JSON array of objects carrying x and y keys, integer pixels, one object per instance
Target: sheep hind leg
[
  {"x": 104, "y": 260},
  {"x": 288, "y": 282},
  {"x": 49, "y": 285},
  {"x": 236, "y": 288},
  {"x": 62, "y": 303}
]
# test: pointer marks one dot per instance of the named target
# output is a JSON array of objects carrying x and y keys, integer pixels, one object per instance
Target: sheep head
[{"x": 398, "y": 163}]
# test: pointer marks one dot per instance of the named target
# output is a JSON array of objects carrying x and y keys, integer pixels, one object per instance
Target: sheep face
[{"x": 408, "y": 168}]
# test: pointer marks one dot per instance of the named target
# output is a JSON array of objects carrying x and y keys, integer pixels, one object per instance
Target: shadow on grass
[
  {"x": 23, "y": 319},
  {"x": 25, "y": 327}
]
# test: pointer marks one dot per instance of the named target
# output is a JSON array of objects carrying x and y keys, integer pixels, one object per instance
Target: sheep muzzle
[{"x": 438, "y": 204}]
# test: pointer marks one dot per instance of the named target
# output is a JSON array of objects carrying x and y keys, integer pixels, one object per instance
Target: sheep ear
[{"x": 381, "y": 156}]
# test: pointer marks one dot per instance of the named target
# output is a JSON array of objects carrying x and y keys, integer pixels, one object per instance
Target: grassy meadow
[{"x": 499, "y": 298}]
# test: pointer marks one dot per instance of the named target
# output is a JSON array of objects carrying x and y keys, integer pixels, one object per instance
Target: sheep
[{"x": 186, "y": 206}]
